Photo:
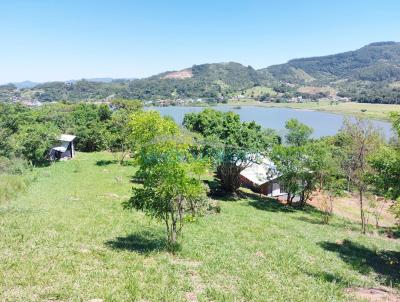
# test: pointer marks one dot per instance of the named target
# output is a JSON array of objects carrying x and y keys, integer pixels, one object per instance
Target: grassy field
[
  {"x": 68, "y": 239},
  {"x": 375, "y": 111}
]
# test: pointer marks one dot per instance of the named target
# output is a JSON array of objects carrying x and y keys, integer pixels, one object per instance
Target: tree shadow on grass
[
  {"x": 385, "y": 263},
  {"x": 142, "y": 243},
  {"x": 106, "y": 162},
  {"x": 265, "y": 203},
  {"x": 103, "y": 162},
  {"x": 313, "y": 220},
  {"x": 331, "y": 278}
]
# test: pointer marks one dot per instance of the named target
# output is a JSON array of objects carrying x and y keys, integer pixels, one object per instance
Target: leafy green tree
[
  {"x": 127, "y": 105},
  {"x": 35, "y": 141},
  {"x": 172, "y": 187},
  {"x": 119, "y": 132},
  {"x": 104, "y": 113},
  {"x": 231, "y": 144},
  {"x": 298, "y": 133},
  {"x": 146, "y": 126},
  {"x": 297, "y": 162},
  {"x": 395, "y": 117},
  {"x": 89, "y": 128},
  {"x": 385, "y": 177},
  {"x": 385, "y": 173},
  {"x": 7, "y": 148}
]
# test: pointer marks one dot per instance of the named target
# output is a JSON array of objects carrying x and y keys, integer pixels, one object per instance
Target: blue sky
[{"x": 61, "y": 40}]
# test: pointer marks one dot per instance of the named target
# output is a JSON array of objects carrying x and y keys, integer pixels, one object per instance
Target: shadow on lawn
[
  {"x": 104, "y": 162},
  {"x": 385, "y": 263},
  {"x": 331, "y": 278},
  {"x": 272, "y": 205},
  {"x": 143, "y": 243}
]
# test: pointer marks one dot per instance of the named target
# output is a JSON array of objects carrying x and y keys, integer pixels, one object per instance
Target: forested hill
[
  {"x": 374, "y": 62},
  {"x": 369, "y": 74}
]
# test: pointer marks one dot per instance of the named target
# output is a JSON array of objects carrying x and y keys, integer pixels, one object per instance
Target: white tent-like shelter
[{"x": 66, "y": 148}]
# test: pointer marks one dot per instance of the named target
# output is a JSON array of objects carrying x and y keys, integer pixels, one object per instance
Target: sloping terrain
[
  {"x": 68, "y": 239},
  {"x": 374, "y": 62}
]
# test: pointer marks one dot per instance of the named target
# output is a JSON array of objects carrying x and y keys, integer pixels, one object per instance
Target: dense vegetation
[
  {"x": 227, "y": 143},
  {"x": 75, "y": 207},
  {"x": 370, "y": 74}
]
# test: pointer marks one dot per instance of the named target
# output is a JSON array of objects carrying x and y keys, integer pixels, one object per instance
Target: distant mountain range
[
  {"x": 25, "y": 84},
  {"x": 30, "y": 84},
  {"x": 369, "y": 74}
]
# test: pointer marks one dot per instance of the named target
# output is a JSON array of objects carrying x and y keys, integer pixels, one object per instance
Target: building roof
[
  {"x": 261, "y": 172},
  {"x": 67, "y": 137}
]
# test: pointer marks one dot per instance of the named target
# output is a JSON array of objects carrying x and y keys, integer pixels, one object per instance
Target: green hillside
[
  {"x": 374, "y": 62},
  {"x": 364, "y": 75},
  {"x": 68, "y": 239}
]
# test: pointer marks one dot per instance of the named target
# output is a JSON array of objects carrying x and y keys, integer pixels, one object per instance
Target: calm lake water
[{"x": 323, "y": 123}]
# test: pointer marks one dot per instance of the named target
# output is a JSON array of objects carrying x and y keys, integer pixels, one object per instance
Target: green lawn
[{"x": 68, "y": 239}]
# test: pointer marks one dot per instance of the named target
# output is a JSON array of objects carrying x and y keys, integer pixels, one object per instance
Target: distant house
[
  {"x": 262, "y": 177},
  {"x": 66, "y": 148}
]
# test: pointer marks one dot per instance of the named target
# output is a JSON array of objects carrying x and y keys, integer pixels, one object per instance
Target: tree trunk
[
  {"x": 363, "y": 227},
  {"x": 289, "y": 199},
  {"x": 173, "y": 233},
  {"x": 302, "y": 199},
  {"x": 229, "y": 175}
]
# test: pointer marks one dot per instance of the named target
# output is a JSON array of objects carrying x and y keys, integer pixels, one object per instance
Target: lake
[{"x": 323, "y": 123}]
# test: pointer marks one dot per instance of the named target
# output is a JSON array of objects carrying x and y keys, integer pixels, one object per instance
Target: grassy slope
[
  {"x": 68, "y": 239},
  {"x": 376, "y": 111}
]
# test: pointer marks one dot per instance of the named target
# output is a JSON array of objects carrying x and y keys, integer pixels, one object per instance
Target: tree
[
  {"x": 35, "y": 141},
  {"x": 298, "y": 133},
  {"x": 88, "y": 127},
  {"x": 171, "y": 175},
  {"x": 386, "y": 170},
  {"x": 104, "y": 113},
  {"x": 127, "y": 105},
  {"x": 363, "y": 140},
  {"x": 146, "y": 126},
  {"x": 119, "y": 132},
  {"x": 326, "y": 169},
  {"x": 385, "y": 173},
  {"x": 231, "y": 144},
  {"x": 172, "y": 188},
  {"x": 289, "y": 162},
  {"x": 297, "y": 162},
  {"x": 395, "y": 117}
]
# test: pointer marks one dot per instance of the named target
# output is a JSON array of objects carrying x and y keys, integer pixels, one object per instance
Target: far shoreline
[{"x": 379, "y": 112}]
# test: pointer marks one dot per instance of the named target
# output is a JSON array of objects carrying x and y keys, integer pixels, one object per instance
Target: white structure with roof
[
  {"x": 262, "y": 177},
  {"x": 66, "y": 148}
]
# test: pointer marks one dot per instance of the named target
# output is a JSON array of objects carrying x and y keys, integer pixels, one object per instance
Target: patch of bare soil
[
  {"x": 349, "y": 207},
  {"x": 381, "y": 294},
  {"x": 182, "y": 74}
]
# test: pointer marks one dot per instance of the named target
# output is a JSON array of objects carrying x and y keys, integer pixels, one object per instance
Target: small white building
[
  {"x": 66, "y": 148},
  {"x": 262, "y": 177}
]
